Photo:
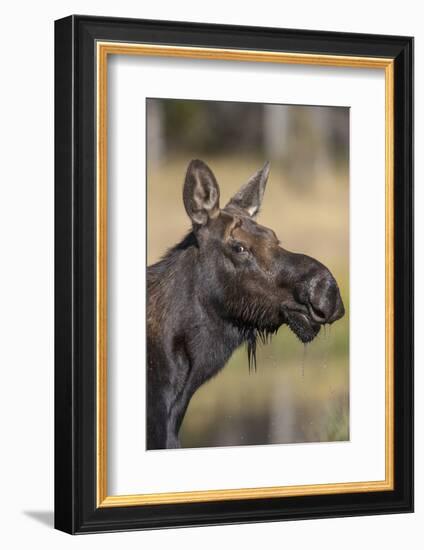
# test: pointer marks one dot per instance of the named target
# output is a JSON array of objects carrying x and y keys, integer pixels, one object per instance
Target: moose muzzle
[{"x": 319, "y": 293}]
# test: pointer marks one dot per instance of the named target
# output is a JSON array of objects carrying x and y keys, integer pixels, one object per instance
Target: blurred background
[{"x": 299, "y": 393}]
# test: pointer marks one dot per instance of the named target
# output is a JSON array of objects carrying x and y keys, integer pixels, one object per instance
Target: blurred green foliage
[{"x": 318, "y": 136}]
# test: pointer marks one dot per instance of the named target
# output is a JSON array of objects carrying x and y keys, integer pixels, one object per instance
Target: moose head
[{"x": 254, "y": 281}]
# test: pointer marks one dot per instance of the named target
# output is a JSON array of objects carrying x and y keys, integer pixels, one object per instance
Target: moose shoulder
[{"x": 226, "y": 283}]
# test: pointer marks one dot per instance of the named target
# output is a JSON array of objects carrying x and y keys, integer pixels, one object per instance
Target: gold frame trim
[{"x": 119, "y": 48}]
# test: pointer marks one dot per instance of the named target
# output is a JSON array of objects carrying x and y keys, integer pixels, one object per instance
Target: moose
[{"x": 228, "y": 282}]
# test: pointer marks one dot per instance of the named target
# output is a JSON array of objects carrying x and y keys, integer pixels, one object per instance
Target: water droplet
[
  {"x": 326, "y": 349},
  {"x": 303, "y": 360}
]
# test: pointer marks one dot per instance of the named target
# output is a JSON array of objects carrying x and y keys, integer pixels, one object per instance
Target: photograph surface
[{"x": 248, "y": 274}]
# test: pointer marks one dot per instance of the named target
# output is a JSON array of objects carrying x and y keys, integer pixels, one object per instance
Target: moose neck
[
  {"x": 182, "y": 295},
  {"x": 189, "y": 342}
]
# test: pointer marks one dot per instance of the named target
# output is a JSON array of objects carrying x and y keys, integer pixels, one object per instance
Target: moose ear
[
  {"x": 250, "y": 196},
  {"x": 201, "y": 193}
]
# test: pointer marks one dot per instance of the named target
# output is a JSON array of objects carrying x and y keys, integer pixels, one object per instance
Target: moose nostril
[
  {"x": 325, "y": 303},
  {"x": 318, "y": 313},
  {"x": 321, "y": 296}
]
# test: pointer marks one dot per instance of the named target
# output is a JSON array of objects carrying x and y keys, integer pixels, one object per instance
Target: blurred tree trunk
[
  {"x": 155, "y": 131},
  {"x": 276, "y": 126}
]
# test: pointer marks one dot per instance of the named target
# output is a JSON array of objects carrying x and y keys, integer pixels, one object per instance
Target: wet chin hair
[
  {"x": 252, "y": 337},
  {"x": 304, "y": 333}
]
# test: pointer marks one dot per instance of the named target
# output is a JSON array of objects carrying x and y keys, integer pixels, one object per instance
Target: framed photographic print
[{"x": 234, "y": 274}]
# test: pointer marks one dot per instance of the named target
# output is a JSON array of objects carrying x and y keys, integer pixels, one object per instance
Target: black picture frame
[{"x": 76, "y": 509}]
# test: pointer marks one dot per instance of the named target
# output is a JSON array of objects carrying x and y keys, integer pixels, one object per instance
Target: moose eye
[{"x": 239, "y": 248}]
